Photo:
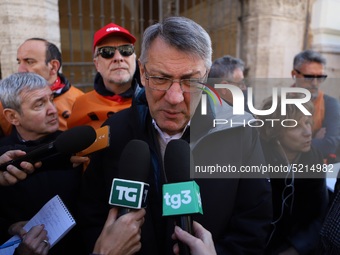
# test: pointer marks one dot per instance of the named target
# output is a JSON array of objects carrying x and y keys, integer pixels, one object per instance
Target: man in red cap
[{"x": 115, "y": 82}]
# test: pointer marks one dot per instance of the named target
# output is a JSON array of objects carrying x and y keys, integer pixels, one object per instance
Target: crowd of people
[{"x": 156, "y": 98}]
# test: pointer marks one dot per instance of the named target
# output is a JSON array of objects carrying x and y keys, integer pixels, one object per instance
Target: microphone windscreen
[
  {"x": 178, "y": 161},
  {"x": 134, "y": 161},
  {"x": 75, "y": 139}
]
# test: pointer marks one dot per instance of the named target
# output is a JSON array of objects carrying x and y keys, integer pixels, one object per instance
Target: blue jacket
[
  {"x": 331, "y": 142},
  {"x": 237, "y": 211}
]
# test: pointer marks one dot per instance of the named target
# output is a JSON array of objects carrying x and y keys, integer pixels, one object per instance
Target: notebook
[{"x": 55, "y": 216}]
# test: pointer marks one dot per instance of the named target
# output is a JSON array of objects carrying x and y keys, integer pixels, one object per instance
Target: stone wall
[
  {"x": 266, "y": 34},
  {"x": 23, "y": 19},
  {"x": 325, "y": 26}
]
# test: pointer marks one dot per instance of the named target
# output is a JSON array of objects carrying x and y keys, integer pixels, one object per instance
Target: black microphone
[
  {"x": 68, "y": 142},
  {"x": 181, "y": 195},
  {"x": 130, "y": 190}
]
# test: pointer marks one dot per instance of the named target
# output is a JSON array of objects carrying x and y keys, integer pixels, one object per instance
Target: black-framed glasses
[
  {"x": 109, "y": 51},
  {"x": 160, "y": 83},
  {"x": 310, "y": 78}
]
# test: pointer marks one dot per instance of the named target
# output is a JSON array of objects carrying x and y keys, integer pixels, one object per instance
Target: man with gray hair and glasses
[
  {"x": 309, "y": 72},
  {"x": 174, "y": 64}
]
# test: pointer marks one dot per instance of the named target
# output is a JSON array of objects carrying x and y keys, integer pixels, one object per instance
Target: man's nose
[
  {"x": 117, "y": 57},
  {"x": 51, "y": 108},
  {"x": 174, "y": 95},
  {"x": 315, "y": 83},
  {"x": 22, "y": 68}
]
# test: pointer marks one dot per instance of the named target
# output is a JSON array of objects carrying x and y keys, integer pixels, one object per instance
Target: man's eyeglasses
[
  {"x": 109, "y": 51},
  {"x": 310, "y": 78},
  {"x": 191, "y": 85}
]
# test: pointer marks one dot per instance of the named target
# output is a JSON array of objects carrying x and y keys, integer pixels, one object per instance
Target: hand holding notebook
[{"x": 56, "y": 218}]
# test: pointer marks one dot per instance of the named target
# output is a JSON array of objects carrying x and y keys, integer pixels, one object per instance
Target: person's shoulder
[
  {"x": 6, "y": 144},
  {"x": 331, "y": 100},
  {"x": 313, "y": 155},
  {"x": 332, "y": 109},
  {"x": 11, "y": 139},
  {"x": 75, "y": 90},
  {"x": 123, "y": 116},
  {"x": 86, "y": 95},
  {"x": 69, "y": 96}
]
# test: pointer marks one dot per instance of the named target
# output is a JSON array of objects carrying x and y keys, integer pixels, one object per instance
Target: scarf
[{"x": 57, "y": 85}]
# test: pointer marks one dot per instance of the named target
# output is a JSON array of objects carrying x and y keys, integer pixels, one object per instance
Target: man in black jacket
[
  {"x": 28, "y": 105},
  {"x": 175, "y": 60}
]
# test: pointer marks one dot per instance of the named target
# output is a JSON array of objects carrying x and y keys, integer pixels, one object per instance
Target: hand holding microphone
[
  {"x": 122, "y": 231},
  {"x": 120, "y": 236},
  {"x": 70, "y": 141},
  {"x": 181, "y": 196},
  {"x": 200, "y": 244},
  {"x": 13, "y": 174},
  {"x": 130, "y": 190}
]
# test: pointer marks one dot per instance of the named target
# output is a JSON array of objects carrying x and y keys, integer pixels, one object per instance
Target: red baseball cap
[{"x": 109, "y": 30}]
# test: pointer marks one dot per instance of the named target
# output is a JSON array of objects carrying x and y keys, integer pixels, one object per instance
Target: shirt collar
[{"x": 166, "y": 137}]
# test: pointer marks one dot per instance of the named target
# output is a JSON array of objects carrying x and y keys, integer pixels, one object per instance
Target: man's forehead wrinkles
[{"x": 175, "y": 73}]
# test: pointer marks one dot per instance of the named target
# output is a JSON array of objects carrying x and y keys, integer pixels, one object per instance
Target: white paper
[{"x": 56, "y": 218}]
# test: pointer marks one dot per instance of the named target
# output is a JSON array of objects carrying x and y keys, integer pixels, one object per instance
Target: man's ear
[
  {"x": 293, "y": 74},
  {"x": 55, "y": 66},
  {"x": 12, "y": 116},
  {"x": 95, "y": 59},
  {"x": 142, "y": 73}
]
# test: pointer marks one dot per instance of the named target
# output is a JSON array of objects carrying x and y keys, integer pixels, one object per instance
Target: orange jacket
[
  {"x": 64, "y": 104},
  {"x": 93, "y": 109}
]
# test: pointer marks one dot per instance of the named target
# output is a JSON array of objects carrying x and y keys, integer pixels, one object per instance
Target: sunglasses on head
[
  {"x": 109, "y": 51},
  {"x": 309, "y": 77}
]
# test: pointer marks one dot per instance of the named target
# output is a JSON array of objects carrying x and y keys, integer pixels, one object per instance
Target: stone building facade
[{"x": 266, "y": 34}]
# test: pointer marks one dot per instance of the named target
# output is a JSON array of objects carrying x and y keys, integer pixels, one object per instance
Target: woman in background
[{"x": 299, "y": 189}]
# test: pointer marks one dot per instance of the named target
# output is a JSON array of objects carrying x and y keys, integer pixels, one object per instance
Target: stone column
[
  {"x": 326, "y": 40},
  {"x": 23, "y": 19},
  {"x": 274, "y": 32}
]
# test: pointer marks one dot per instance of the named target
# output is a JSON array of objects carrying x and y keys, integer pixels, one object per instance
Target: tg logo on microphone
[
  {"x": 127, "y": 193},
  {"x": 181, "y": 198},
  {"x": 176, "y": 200}
]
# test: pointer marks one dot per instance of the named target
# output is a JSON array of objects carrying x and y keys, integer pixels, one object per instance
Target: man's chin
[
  {"x": 171, "y": 128},
  {"x": 121, "y": 79},
  {"x": 52, "y": 129}
]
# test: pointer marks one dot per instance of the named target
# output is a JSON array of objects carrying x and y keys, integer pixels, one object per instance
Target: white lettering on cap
[{"x": 112, "y": 28}]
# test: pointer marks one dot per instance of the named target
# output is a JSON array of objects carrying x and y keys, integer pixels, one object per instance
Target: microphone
[
  {"x": 181, "y": 197},
  {"x": 68, "y": 142},
  {"x": 130, "y": 190}
]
